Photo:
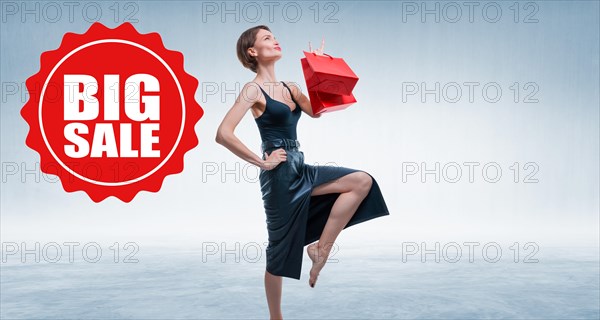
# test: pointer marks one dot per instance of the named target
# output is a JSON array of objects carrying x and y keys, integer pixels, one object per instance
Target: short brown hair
[{"x": 246, "y": 41}]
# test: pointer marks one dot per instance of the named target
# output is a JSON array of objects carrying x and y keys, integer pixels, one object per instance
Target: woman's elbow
[{"x": 221, "y": 137}]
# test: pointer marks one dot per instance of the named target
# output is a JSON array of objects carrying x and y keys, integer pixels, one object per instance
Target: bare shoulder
[
  {"x": 296, "y": 91},
  {"x": 301, "y": 98},
  {"x": 251, "y": 90}
]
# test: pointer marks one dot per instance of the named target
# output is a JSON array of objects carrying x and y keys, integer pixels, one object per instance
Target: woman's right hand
[
  {"x": 275, "y": 158},
  {"x": 318, "y": 51}
]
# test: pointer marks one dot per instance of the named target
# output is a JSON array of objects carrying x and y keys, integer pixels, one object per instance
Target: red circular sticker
[{"x": 112, "y": 112}]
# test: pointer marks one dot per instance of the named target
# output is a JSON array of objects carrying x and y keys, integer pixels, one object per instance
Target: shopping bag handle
[{"x": 314, "y": 54}]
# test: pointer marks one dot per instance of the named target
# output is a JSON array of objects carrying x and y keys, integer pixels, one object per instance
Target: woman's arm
[
  {"x": 225, "y": 133},
  {"x": 302, "y": 100}
]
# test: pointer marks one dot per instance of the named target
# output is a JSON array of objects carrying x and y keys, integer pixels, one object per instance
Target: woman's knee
[{"x": 365, "y": 181}]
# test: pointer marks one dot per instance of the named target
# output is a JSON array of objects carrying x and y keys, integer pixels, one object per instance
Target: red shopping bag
[
  {"x": 326, "y": 102},
  {"x": 328, "y": 74}
]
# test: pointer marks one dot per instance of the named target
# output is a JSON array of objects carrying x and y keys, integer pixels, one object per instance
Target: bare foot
[{"x": 318, "y": 256}]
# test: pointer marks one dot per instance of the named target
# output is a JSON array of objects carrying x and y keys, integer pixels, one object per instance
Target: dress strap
[
  {"x": 261, "y": 89},
  {"x": 291, "y": 94}
]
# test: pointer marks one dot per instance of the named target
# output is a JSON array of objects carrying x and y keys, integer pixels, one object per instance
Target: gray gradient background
[
  {"x": 560, "y": 53},
  {"x": 368, "y": 279}
]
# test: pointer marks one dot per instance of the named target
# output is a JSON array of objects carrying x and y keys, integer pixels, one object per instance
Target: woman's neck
[{"x": 266, "y": 73}]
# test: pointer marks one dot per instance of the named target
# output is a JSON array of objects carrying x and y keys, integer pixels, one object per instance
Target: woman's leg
[
  {"x": 353, "y": 189},
  {"x": 273, "y": 286}
]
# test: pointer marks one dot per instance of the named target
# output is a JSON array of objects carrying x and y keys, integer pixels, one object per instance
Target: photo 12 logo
[{"x": 112, "y": 112}]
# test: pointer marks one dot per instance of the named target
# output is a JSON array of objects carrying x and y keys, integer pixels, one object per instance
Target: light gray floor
[{"x": 176, "y": 284}]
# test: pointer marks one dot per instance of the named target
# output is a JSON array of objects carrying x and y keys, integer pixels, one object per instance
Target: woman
[{"x": 303, "y": 203}]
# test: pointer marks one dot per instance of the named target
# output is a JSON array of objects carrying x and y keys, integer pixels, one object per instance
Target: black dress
[{"x": 295, "y": 218}]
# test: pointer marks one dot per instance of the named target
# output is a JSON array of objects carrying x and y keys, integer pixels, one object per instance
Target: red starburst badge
[{"x": 112, "y": 112}]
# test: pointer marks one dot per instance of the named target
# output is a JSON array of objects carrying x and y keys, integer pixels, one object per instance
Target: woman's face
[{"x": 266, "y": 47}]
